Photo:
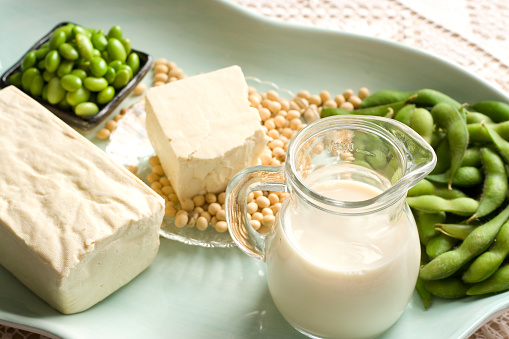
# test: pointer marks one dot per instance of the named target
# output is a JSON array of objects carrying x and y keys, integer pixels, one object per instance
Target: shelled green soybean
[
  {"x": 78, "y": 68},
  {"x": 462, "y": 206}
]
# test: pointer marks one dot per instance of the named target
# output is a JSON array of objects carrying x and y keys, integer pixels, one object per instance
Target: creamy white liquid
[{"x": 342, "y": 276}]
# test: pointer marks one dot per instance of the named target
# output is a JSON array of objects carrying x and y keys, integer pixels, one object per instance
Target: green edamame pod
[
  {"x": 488, "y": 263},
  {"x": 478, "y": 133},
  {"x": 85, "y": 46},
  {"x": 449, "y": 288},
  {"x": 424, "y": 294},
  {"x": 432, "y": 204},
  {"x": 423, "y": 187},
  {"x": 475, "y": 243},
  {"x": 472, "y": 157},
  {"x": 443, "y": 153},
  {"x": 422, "y": 122},
  {"x": 426, "y": 223},
  {"x": 498, "y": 111},
  {"x": 457, "y": 231},
  {"x": 447, "y": 117},
  {"x": 466, "y": 176},
  {"x": 425, "y": 97},
  {"x": 476, "y": 117},
  {"x": 331, "y": 111},
  {"x": 500, "y": 143},
  {"x": 495, "y": 183},
  {"x": 498, "y": 282},
  {"x": 440, "y": 244},
  {"x": 403, "y": 115}
]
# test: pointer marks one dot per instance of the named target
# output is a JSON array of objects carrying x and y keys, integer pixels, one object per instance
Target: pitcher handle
[{"x": 255, "y": 178}]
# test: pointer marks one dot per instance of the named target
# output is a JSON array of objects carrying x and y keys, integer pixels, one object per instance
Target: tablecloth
[{"x": 471, "y": 33}]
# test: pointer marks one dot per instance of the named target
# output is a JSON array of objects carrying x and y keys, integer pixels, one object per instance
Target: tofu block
[
  {"x": 74, "y": 225},
  {"x": 204, "y": 130}
]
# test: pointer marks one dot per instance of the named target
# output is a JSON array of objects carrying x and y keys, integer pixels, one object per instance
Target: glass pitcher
[{"x": 343, "y": 255}]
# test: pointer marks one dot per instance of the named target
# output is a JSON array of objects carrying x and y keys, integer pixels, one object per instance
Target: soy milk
[{"x": 353, "y": 275}]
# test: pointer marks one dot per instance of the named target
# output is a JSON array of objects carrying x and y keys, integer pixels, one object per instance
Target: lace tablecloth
[{"x": 472, "y": 33}]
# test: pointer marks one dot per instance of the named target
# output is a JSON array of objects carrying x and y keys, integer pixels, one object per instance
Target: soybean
[
  {"x": 55, "y": 91},
  {"x": 85, "y": 46},
  {"x": 488, "y": 263},
  {"x": 476, "y": 242},
  {"x": 86, "y": 109}
]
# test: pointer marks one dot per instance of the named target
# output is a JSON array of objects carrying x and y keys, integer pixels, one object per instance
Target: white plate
[{"x": 197, "y": 292}]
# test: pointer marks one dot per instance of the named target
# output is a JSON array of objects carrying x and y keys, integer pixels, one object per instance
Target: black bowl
[{"x": 81, "y": 123}]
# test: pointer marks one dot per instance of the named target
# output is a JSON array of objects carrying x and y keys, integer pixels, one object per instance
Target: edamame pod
[
  {"x": 495, "y": 184},
  {"x": 449, "y": 288},
  {"x": 426, "y": 223},
  {"x": 488, "y": 263},
  {"x": 476, "y": 242},
  {"x": 440, "y": 244},
  {"x": 476, "y": 117},
  {"x": 472, "y": 157},
  {"x": 433, "y": 204},
  {"x": 498, "y": 282},
  {"x": 425, "y": 97},
  {"x": 422, "y": 122},
  {"x": 443, "y": 153},
  {"x": 447, "y": 117},
  {"x": 500, "y": 143},
  {"x": 478, "y": 133},
  {"x": 457, "y": 231},
  {"x": 498, "y": 111},
  {"x": 466, "y": 176},
  {"x": 404, "y": 114}
]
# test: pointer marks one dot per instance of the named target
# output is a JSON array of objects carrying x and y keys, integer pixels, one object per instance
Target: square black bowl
[{"x": 81, "y": 123}]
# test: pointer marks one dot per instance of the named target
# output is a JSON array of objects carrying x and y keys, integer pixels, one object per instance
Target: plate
[
  {"x": 197, "y": 292},
  {"x": 81, "y": 123}
]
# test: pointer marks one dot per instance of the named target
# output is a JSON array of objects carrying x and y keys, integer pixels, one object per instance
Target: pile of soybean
[{"x": 462, "y": 206}]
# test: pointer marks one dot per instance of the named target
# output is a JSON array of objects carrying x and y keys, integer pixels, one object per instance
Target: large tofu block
[
  {"x": 204, "y": 130},
  {"x": 74, "y": 226}
]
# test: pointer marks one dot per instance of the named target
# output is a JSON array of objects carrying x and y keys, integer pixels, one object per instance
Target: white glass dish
[{"x": 197, "y": 292}]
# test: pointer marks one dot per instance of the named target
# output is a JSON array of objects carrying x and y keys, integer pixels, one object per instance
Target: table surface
[{"x": 474, "y": 38}]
